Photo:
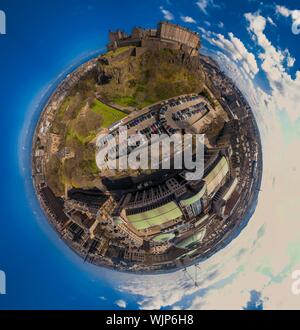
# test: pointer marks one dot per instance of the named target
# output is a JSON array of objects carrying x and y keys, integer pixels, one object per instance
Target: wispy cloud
[
  {"x": 221, "y": 25},
  {"x": 236, "y": 50},
  {"x": 270, "y": 20},
  {"x": 121, "y": 303},
  {"x": 188, "y": 19},
  {"x": 205, "y": 4},
  {"x": 166, "y": 13}
]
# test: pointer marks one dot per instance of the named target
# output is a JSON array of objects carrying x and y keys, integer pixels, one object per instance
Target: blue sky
[{"x": 261, "y": 54}]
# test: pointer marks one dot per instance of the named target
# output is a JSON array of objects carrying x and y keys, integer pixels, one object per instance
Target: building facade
[{"x": 167, "y": 35}]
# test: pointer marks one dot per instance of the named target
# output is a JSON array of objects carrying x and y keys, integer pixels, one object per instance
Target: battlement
[{"x": 167, "y": 35}]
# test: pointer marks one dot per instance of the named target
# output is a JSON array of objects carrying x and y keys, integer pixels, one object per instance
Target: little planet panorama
[{"x": 153, "y": 82}]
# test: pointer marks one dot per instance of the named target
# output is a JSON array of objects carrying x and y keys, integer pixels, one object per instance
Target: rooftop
[{"x": 155, "y": 217}]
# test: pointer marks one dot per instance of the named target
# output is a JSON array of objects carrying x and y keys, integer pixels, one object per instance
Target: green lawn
[
  {"x": 126, "y": 101},
  {"x": 109, "y": 115}
]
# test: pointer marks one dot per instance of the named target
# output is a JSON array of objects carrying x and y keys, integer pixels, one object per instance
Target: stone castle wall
[
  {"x": 157, "y": 44},
  {"x": 167, "y": 35},
  {"x": 179, "y": 34}
]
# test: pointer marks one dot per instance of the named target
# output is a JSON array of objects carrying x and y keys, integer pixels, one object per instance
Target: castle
[{"x": 167, "y": 35}]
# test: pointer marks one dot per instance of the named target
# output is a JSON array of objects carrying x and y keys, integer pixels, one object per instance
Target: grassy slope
[
  {"x": 109, "y": 115},
  {"x": 150, "y": 78}
]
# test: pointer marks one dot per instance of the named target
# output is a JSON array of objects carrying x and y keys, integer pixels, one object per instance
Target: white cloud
[
  {"x": 205, "y": 4},
  {"x": 290, "y": 60},
  {"x": 202, "y": 4},
  {"x": 121, "y": 303},
  {"x": 165, "y": 290},
  {"x": 285, "y": 89},
  {"x": 235, "y": 49},
  {"x": 203, "y": 31},
  {"x": 270, "y": 20},
  {"x": 283, "y": 11},
  {"x": 167, "y": 14},
  {"x": 294, "y": 14},
  {"x": 221, "y": 25},
  {"x": 188, "y": 19}
]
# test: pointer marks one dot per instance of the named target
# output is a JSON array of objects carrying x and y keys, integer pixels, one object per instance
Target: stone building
[{"x": 167, "y": 35}]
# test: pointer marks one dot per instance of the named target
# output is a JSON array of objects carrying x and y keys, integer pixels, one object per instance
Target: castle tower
[{"x": 116, "y": 35}]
